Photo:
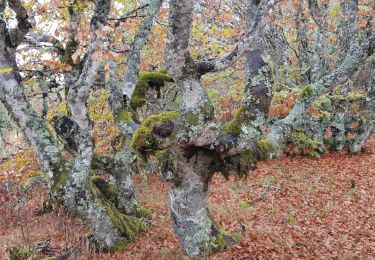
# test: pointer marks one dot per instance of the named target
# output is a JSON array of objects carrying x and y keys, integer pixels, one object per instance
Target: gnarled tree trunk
[
  {"x": 188, "y": 200},
  {"x": 70, "y": 183}
]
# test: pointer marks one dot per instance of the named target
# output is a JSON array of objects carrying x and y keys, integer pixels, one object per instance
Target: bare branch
[
  {"x": 243, "y": 45},
  {"x": 79, "y": 92},
  {"x": 315, "y": 12},
  {"x": 124, "y": 18},
  {"x": 137, "y": 45},
  {"x": 141, "y": 6},
  {"x": 42, "y": 38},
  {"x": 24, "y": 25}
]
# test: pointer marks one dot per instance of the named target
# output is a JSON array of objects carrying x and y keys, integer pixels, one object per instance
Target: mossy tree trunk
[
  {"x": 120, "y": 103},
  {"x": 70, "y": 182},
  {"x": 252, "y": 118},
  {"x": 367, "y": 121},
  {"x": 196, "y": 140},
  {"x": 110, "y": 229},
  {"x": 190, "y": 146},
  {"x": 127, "y": 201},
  {"x": 188, "y": 200},
  {"x": 119, "y": 189},
  {"x": 190, "y": 177},
  {"x": 303, "y": 48},
  {"x": 355, "y": 56},
  {"x": 313, "y": 63},
  {"x": 189, "y": 151},
  {"x": 338, "y": 125}
]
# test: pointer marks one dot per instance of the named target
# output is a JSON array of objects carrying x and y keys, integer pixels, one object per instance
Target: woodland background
[{"x": 315, "y": 201}]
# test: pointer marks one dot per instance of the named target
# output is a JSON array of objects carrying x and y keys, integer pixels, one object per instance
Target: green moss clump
[
  {"x": 20, "y": 253},
  {"x": 245, "y": 161},
  {"x": 164, "y": 71},
  {"x": 166, "y": 160},
  {"x": 143, "y": 140},
  {"x": 141, "y": 212},
  {"x": 264, "y": 150},
  {"x": 157, "y": 77},
  {"x": 60, "y": 180},
  {"x": 192, "y": 119},
  {"x": 301, "y": 144},
  {"x": 124, "y": 116},
  {"x": 222, "y": 240},
  {"x": 119, "y": 246},
  {"x": 233, "y": 127},
  {"x": 246, "y": 203},
  {"x": 138, "y": 98},
  {"x": 307, "y": 91},
  {"x": 145, "y": 80}
]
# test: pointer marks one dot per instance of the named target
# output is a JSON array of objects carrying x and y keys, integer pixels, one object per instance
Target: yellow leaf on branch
[{"x": 6, "y": 70}]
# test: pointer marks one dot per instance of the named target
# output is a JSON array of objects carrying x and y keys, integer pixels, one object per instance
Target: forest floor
[{"x": 290, "y": 208}]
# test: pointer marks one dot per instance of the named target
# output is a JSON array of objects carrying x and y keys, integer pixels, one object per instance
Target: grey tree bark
[
  {"x": 367, "y": 120},
  {"x": 70, "y": 184},
  {"x": 187, "y": 142},
  {"x": 237, "y": 141},
  {"x": 201, "y": 147},
  {"x": 120, "y": 102}
]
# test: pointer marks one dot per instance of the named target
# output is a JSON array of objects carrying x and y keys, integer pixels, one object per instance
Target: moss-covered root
[
  {"x": 112, "y": 193},
  {"x": 219, "y": 239},
  {"x": 109, "y": 190},
  {"x": 109, "y": 228},
  {"x": 127, "y": 226}
]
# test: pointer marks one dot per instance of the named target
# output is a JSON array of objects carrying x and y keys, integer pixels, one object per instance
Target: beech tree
[
  {"x": 69, "y": 180},
  {"x": 168, "y": 116}
]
